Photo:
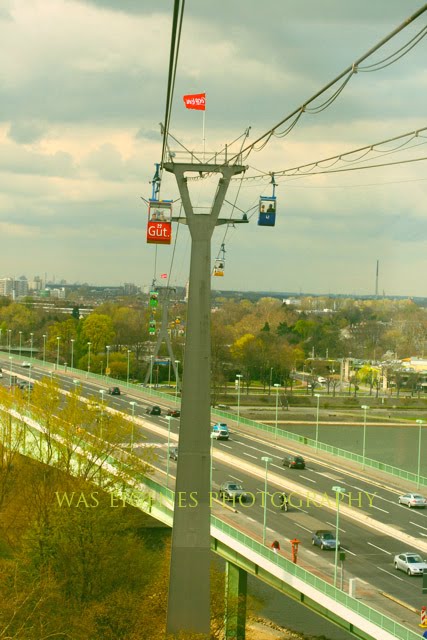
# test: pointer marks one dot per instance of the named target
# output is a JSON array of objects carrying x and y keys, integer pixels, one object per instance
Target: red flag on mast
[{"x": 195, "y": 101}]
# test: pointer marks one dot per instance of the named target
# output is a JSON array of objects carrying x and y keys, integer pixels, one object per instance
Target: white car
[
  {"x": 413, "y": 500},
  {"x": 27, "y": 365},
  {"x": 411, "y": 563}
]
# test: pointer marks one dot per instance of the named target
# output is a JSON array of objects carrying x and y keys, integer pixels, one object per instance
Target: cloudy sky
[{"x": 82, "y": 92}]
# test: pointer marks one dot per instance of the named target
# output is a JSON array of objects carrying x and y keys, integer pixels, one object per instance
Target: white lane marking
[
  {"x": 417, "y": 525},
  {"x": 251, "y": 519},
  {"x": 334, "y": 527},
  {"x": 379, "y": 509},
  {"x": 226, "y": 445},
  {"x": 330, "y": 476},
  {"x": 266, "y": 453},
  {"x": 234, "y": 478},
  {"x": 249, "y": 455},
  {"x": 277, "y": 466},
  {"x": 347, "y": 551},
  {"x": 312, "y": 553},
  {"x": 391, "y": 574},
  {"x": 309, "y": 479},
  {"x": 376, "y": 496},
  {"x": 300, "y": 509},
  {"x": 272, "y": 530},
  {"x": 380, "y": 549},
  {"x": 302, "y": 527},
  {"x": 423, "y": 534}
]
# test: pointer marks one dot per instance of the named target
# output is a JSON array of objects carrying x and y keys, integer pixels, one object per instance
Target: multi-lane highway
[{"x": 369, "y": 549}]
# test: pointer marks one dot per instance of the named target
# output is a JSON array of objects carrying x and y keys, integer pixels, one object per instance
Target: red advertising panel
[
  {"x": 159, "y": 232},
  {"x": 195, "y": 101}
]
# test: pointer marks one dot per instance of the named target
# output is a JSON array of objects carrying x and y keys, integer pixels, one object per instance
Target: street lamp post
[
  {"x": 317, "y": 395},
  {"x": 9, "y": 333},
  {"x": 176, "y": 381},
  {"x": 151, "y": 371},
  {"x": 338, "y": 492},
  {"x": 31, "y": 345},
  {"x": 1, "y": 331},
  {"x": 102, "y": 392},
  {"x": 211, "y": 466},
  {"x": 29, "y": 387},
  {"x": 11, "y": 371},
  {"x": 132, "y": 404},
  {"x": 277, "y": 408},
  {"x": 168, "y": 418},
  {"x": 88, "y": 358},
  {"x": 44, "y": 348},
  {"x": 72, "y": 353},
  {"x": 420, "y": 426},
  {"x": 365, "y": 408},
  {"x": 238, "y": 381},
  {"x": 107, "y": 371},
  {"x": 264, "y": 528},
  {"x": 58, "y": 338},
  {"x": 20, "y": 343},
  {"x": 127, "y": 377}
]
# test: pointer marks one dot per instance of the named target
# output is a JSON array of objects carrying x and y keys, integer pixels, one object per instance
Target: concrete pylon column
[
  {"x": 189, "y": 583},
  {"x": 236, "y": 587}
]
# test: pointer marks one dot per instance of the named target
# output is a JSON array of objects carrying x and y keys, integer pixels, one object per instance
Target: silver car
[
  {"x": 413, "y": 500},
  {"x": 324, "y": 539},
  {"x": 231, "y": 490},
  {"x": 411, "y": 563}
]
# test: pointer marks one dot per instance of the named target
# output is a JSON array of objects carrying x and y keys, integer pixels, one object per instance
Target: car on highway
[
  {"x": 25, "y": 385},
  {"x": 173, "y": 453},
  {"x": 321, "y": 379},
  {"x": 26, "y": 365},
  {"x": 220, "y": 431},
  {"x": 413, "y": 500},
  {"x": 154, "y": 410},
  {"x": 411, "y": 563},
  {"x": 114, "y": 391},
  {"x": 324, "y": 539},
  {"x": 175, "y": 413},
  {"x": 294, "y": 462},
  {"x": 232, "y": 490}
]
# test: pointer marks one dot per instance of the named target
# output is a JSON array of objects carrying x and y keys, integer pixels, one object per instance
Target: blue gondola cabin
[{"x": 267, "y": 211}]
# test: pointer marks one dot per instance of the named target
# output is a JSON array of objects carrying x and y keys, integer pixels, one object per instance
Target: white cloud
[{"x": 82, "y": 92}]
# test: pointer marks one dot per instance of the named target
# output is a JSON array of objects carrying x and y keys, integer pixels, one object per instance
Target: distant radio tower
[{"x": 376, "y": 280}]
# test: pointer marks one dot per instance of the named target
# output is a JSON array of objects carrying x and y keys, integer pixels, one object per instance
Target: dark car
[
  {"x": 153, "y": 411},
  {"x": 173, "y": 453},
  {"x": 25, "y": 385},
  {"x": 114, "y": 391},
  {"x": 175, "y": 413},
  {"x": 294, "y": 462}
]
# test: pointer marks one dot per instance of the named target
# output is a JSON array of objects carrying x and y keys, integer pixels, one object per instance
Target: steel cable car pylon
[
  {"x": 163, "y": 333},
  {"x": 267, "y": 208}
]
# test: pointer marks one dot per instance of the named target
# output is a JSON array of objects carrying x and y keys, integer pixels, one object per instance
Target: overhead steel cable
[
  {"x": 381, "y": 64},
  {"x": 349, "y": 71},
  {"x": 178, "y": 14},
  {"x": 364, "y": 151}
]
